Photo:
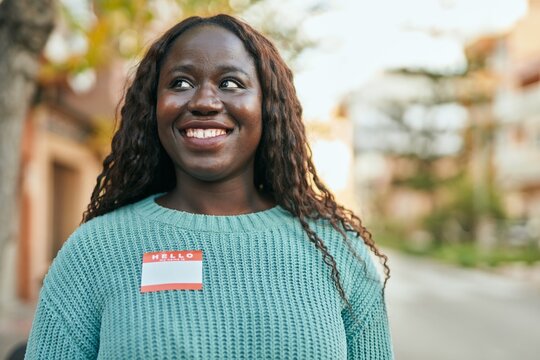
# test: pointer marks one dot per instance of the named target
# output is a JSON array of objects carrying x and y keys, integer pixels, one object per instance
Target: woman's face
[{"x": 209, "y": 105}]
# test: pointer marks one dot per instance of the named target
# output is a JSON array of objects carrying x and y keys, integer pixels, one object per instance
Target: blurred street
[
  {"x": 446, "y": 313},
  {"x": 15, "y": 323}
]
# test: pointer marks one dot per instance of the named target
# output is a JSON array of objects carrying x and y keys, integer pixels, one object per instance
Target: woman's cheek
[{"x": 168, "y": 106}]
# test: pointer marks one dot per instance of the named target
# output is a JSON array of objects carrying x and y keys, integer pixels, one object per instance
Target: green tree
[
  {"x": 469, "y": 197},
  {"x": 416, "y": 121}
]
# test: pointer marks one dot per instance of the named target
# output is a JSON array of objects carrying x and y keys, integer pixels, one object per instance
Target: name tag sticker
[{"x": 172, "y": 270}]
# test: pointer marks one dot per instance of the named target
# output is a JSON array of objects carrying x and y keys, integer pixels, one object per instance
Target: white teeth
[{"x": 204, "y": 133}]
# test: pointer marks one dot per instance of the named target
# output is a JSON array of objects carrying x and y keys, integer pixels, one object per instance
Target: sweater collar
[{"x": 257, "y": 221}]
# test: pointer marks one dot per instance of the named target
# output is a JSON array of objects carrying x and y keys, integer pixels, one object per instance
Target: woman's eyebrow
[
  {"x": 231, "y": 68},
  {"x": 181, "y": 68}
]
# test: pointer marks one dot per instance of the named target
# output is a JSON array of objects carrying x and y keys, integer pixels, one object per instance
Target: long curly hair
[{"x": 138, "y": 165}]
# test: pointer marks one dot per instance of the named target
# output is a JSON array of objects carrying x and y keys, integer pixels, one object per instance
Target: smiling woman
[{"x": 209, "y": 234}]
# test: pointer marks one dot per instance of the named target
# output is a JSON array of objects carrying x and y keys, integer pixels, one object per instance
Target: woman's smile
[
  {"x": 197, "y": 139},
  {"x": 204, "y": 135}
]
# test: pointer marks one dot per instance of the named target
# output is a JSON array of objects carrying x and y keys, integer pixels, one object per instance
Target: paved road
[
  {"x": 15, "y": 323},
  {"x": 438, "y": 312}
]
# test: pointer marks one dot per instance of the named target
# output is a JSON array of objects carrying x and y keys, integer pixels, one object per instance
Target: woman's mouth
[{"x": 210, "y": 139}]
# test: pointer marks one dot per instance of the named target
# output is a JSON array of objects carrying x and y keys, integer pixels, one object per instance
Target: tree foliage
[
  {"x": 121, "y": 28},
  {"x": 458, "y": 199}
]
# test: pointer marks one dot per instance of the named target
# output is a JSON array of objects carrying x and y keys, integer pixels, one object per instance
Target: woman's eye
[
  {"x": 230, "y": 84},
  {"x": 181, "y": 84}
]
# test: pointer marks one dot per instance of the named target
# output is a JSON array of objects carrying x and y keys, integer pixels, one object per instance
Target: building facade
[{"x": 517, "y": 110}]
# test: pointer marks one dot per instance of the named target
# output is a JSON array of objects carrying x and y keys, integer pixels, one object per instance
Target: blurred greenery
[
  {"x": 462, "y": 254},
  {"x": 463, "y": 208},
  {"x": 122, "y": 29},
  {"x": 118, "y": 29}
]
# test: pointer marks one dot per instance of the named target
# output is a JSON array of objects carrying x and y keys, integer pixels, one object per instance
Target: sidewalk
[
  {"x": 521, "y": 272},
  {"x": 480, "y": 314},
  {"x": 15, "y": 324}
]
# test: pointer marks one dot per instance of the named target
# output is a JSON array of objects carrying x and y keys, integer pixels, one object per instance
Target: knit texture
[{"x": 267, "y": 293}]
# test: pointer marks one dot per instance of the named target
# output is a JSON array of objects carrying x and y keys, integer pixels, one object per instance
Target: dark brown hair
[{"x": 138, "y": 166}]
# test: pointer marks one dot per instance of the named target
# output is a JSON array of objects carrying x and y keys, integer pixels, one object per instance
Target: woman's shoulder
[
  {"x": 355, "y": 260},
  {"x": 93, "y": 244},
  {"x": 339, "y": 236},
  {"x": 102, "y": 232},
  {"x": 117, "y": 219}
]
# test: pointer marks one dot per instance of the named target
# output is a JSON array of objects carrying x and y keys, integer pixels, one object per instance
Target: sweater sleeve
[
  {"x": 50, "y": 338},
  {"x": 67, "y": 321},
  {"x": 371, "y": 340},
  {"x": 366, "y": 321}
]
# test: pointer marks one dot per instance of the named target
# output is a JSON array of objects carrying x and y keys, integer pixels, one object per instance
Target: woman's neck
[{"x": 232, "y": 197}]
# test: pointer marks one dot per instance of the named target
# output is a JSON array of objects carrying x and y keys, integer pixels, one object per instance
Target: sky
[{"x": 358, "y": 39}]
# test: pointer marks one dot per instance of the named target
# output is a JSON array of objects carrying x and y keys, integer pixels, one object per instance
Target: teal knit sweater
[{"x": 266, "y": 292}]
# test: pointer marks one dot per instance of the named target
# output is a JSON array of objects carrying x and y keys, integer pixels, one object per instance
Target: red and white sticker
[{"x": 172, "y": 270}]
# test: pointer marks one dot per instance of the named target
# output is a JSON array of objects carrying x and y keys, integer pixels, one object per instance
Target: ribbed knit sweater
[{"x": 266, "y": 292}]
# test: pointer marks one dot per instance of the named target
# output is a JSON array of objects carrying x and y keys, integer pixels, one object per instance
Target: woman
[{"x": 209, "y": 234}]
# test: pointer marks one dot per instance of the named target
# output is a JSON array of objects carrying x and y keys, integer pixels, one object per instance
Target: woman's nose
[{"x": 205, "y": 101}]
